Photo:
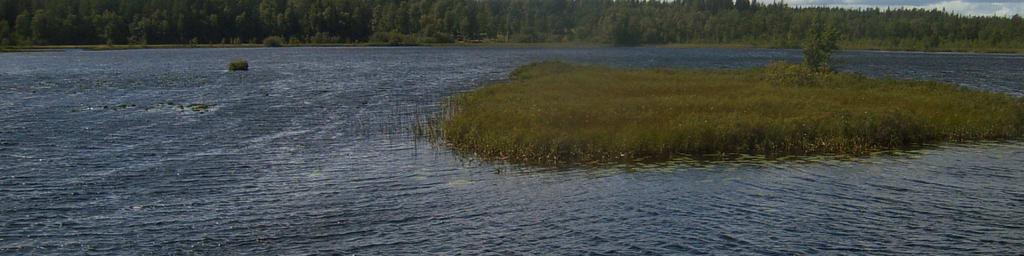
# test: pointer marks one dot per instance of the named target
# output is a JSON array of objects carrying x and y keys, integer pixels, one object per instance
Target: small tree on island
[{"x": 819, "y": 47}]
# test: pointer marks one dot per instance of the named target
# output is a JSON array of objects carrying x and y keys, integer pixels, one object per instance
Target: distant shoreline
[{"x": 44, "y": 48}]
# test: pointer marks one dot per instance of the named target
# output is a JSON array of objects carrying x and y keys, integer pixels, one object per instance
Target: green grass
[{"x": 556, "y": 113}]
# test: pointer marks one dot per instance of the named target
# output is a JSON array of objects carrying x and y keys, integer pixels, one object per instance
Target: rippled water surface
[{"x": 310, "y": 153}]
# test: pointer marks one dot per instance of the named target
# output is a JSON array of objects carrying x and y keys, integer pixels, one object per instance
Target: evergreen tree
[
  {"x": 819, "y": 47},
  {"x": 23, "y": 28},
  {"x": 743, "y": 5},
  {"x": 42, "y": 26},
  {"x": 5, "y": 33}
]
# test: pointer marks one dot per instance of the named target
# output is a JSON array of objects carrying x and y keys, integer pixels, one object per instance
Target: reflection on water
[{"x": 310, "y": 152}]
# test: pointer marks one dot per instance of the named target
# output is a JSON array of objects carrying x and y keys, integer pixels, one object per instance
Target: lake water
[{"x": 310, "y": 153}]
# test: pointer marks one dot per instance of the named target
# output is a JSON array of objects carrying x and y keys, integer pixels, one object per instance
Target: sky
[{"x": 966, "y": 7}]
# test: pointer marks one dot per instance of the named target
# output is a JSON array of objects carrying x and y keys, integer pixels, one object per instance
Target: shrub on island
[{"x": 273, "y": 41}]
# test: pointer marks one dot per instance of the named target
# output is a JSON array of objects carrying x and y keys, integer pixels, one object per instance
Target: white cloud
[{"x": 967, "y": 7}]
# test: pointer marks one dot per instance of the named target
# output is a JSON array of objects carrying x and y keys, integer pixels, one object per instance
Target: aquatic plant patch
[{"x": 550, "y": 113}]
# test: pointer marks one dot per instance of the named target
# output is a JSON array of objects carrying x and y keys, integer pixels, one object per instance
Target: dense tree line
[{"x": 49, "y": 22}]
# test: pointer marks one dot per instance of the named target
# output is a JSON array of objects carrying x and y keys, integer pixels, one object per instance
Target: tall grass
[{"x": 550, "y": 113}]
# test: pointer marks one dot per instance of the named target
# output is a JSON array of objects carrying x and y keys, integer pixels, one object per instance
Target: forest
[{"x": 620, "y": 22}]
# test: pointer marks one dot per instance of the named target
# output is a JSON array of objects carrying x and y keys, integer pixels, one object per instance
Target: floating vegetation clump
[
  {"x": 551, "y": 113},
  {"x": 120, "y": 107},
  {"x": 199, "y": 107},
  {"x": 238, "y": 65},
  {"x": 195, "y": 107}
]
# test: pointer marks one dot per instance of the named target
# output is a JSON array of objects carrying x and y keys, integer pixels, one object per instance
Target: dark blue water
[{"x": 310, "y": 153}]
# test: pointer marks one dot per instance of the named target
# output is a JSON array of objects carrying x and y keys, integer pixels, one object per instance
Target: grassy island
[
  {"x": 556, "y": 113},
  {"x": 238, "y": 65}
]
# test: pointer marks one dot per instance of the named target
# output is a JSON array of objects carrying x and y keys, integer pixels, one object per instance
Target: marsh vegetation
[
  {"x": 554, "y": 112},
  {"x": 238, "y": 65}
]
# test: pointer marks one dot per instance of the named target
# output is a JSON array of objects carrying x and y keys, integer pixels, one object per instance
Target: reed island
[{"x": 559, "y": 113}]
